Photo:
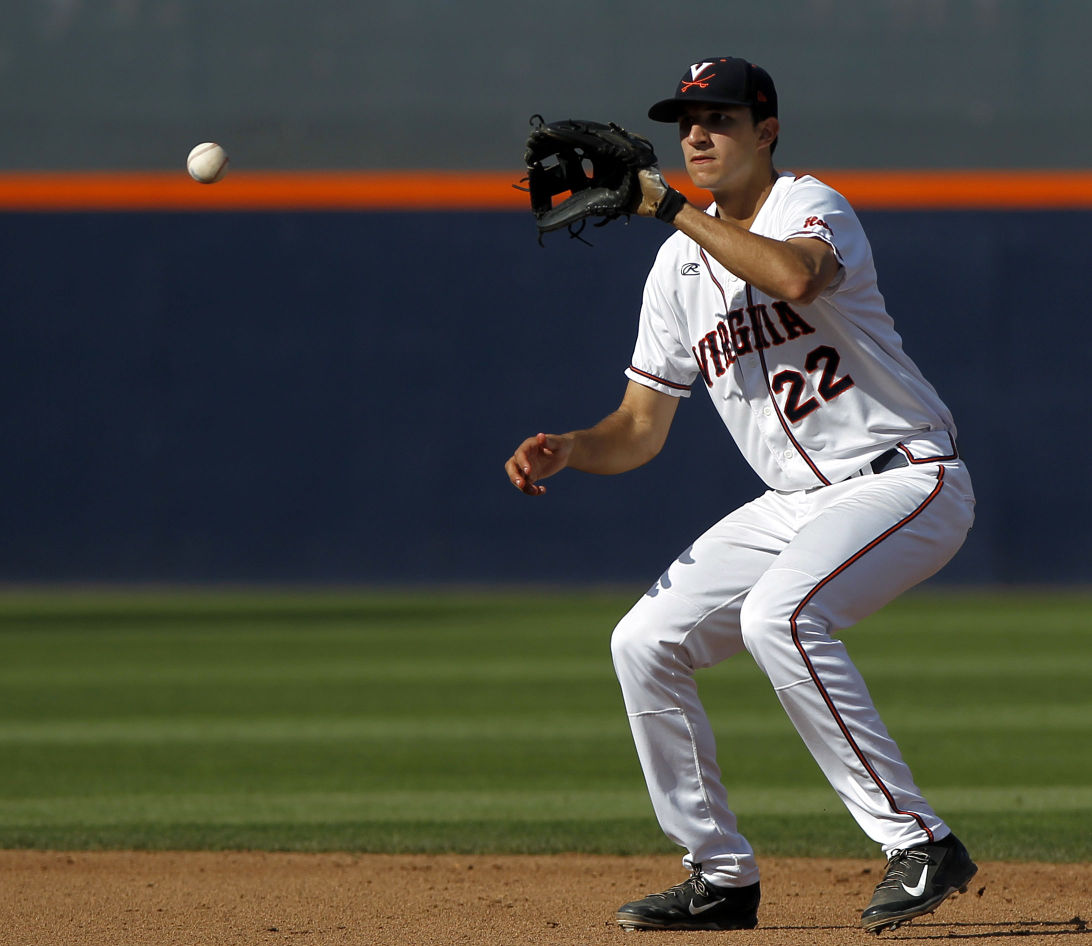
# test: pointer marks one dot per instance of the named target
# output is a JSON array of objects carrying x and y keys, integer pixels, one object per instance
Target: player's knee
[
  {"x": 776, "y": 629},
  {"x": 637, "y": 648},
  {"x": 629, "y": 644},
  {"x": 765, "y": 621}
]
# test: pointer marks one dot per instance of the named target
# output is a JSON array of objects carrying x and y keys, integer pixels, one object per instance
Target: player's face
[{"x": 722, "y": 146}]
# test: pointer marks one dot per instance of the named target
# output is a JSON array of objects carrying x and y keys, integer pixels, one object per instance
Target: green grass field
[{"x": 491, "y": 722}]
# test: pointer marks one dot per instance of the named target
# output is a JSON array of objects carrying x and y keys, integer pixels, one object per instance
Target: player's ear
[{"x": 768, "y": 130}]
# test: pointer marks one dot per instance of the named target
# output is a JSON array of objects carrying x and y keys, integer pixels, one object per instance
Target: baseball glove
[{"x": 595, "y": 164}]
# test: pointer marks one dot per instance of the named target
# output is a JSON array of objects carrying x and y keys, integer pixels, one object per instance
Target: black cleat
[
  {"x": 917, "y": 881},
  {"x": 695, "y": 904}
]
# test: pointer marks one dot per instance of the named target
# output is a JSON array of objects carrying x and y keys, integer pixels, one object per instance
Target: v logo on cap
[{"x": 696, "y": 70}]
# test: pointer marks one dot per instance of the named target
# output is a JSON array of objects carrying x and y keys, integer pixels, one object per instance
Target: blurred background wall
[
  {"x": 434, "y": 83},
  {"x": 329, "y": 397}
]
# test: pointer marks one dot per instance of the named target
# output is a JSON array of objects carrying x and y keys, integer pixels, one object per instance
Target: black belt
[{"x": 891, "y": 460}]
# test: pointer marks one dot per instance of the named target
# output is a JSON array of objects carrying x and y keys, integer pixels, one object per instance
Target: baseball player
[{"x": 767, "y": 299}]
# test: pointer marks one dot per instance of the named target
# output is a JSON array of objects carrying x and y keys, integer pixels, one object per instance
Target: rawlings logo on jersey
[
  {"x": 690, "y": 269},
  {"x": 743, "y": 331}
]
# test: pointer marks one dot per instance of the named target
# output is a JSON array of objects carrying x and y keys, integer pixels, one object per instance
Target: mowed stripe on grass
[{"x": 481, "y": 805}]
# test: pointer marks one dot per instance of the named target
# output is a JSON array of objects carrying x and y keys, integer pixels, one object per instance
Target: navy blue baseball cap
[{"x": 720, "y": 80}]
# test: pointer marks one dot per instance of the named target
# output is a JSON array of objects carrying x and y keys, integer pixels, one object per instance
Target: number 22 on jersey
[{"x": 822, "y": 360}]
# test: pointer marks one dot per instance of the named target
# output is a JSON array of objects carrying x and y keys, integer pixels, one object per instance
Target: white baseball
[{"x": 207, "y": 163}]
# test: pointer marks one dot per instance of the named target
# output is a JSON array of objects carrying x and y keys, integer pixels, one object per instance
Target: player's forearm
[
  {"x": 616, "y": 444},
  {"x": 774, "y": 267}
]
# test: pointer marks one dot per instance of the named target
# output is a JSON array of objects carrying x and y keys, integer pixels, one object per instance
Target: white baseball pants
[{"x": 780, "y": 577}]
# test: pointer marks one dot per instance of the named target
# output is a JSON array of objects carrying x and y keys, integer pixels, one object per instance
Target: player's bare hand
[
  {"x": 535, "y": 459},
  {"x": 658, "y": 198}
]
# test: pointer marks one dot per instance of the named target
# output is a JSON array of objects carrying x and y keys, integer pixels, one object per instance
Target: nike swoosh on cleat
[
  {"x": 694, "y": 911},
  {"x": 918, "y": 889}
]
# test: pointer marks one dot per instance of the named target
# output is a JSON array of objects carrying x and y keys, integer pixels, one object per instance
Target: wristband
[{"x": 670, "y": 205}]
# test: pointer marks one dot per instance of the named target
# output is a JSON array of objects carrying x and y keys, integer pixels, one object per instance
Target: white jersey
[{"x": 810, "y": 393}]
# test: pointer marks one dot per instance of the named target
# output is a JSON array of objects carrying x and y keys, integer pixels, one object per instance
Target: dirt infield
[{"x": 193, "y": 899}]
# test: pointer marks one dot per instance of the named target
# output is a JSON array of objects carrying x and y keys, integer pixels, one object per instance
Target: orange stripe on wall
[
  {"x": 262, "y": 190},
  {"x": 493, "y": 190}
]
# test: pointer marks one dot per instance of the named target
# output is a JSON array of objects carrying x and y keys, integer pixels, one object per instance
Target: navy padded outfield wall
[{"x": 308, "y": 397}]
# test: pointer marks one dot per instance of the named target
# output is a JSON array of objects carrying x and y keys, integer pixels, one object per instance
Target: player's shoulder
[
  {"x": 806, "y": 201},
  {"x": 798, "y": 187}
]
